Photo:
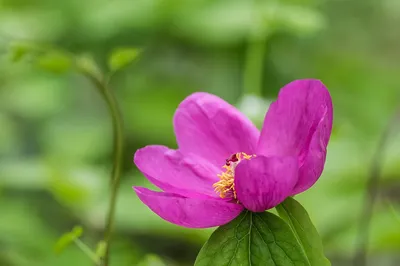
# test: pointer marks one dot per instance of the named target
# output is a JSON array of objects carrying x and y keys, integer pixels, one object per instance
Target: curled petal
[
  {"x": 314, "y": 161},
  {"x": 173, "y": 172},
  {"x": 299, "y": 124},
  {"x": 189, "y": 212},
  {"x": 264, "y": 182},
  {"x": 208, "y": 126}
]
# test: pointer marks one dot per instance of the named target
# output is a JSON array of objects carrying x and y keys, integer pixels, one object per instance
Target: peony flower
[{"x": 224, "y": 164}]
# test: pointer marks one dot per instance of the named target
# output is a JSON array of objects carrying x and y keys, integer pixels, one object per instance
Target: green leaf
[
  {"x": 151, "y": 260},
  {"x": 55, "y": 61},
  {"x": 297, "y": 217},
  {"x": 101, "y": 249},
  {"x": 66, "y": 239},
  {"x": 77, "y": 231},
  {"x": 21, "y": 49},
  {"x": 18, "y": 51},
  {"x": 122, "y": 57},
  {"x": 253, "y": 239},
  {"x": 395, "y": 213}
]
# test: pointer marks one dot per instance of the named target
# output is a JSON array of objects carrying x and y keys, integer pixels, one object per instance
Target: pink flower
[{"x": 225, "y": 164}]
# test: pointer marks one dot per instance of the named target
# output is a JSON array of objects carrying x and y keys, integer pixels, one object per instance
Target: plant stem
[
  {"x": 117, "y": 122},
  {"x": 253, "y": 69},
  {"x": 360, "y": 257},
  {"x": 255, "y": 54},
  {"x": 82, "y": 246}
]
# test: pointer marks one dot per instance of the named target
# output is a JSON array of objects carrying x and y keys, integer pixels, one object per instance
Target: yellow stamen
[{"x": 226, "y": 186}]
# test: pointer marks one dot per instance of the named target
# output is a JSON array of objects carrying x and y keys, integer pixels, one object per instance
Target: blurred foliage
[
  {"x": 121, "y": 57},
  {"x": 151, "y": 260},
  {"x": 67, "y": 238},
  {"x": 56, "y": 137}
]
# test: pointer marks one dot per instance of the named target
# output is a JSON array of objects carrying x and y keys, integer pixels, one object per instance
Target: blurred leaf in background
[
  {"x": 151, "y": 260},
  {"x": 55, "y": 61},
  {"x": 67, "y": 239},
  {"x": 121, "y": 57}
]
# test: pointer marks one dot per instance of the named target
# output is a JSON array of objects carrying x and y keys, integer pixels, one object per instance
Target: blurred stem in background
[
  {"x": 255, "y": 54},
  {"x": 253, "y": 70},
  {"x": 117, "y": 121},
  {"x": 60, "y": 61},
  {"x": 371, "y": 194},
  {"x": 87, "y": 251}
]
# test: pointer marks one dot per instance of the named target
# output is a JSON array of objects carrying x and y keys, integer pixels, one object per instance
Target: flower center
[{"x": 225, "y": 187}]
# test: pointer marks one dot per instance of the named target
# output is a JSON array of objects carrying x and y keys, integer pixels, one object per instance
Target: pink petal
[
  {"x": 264, "y": 182},
  {"x": 299, "y": 124},
  {"x": 314, "y": 161},
  {"x": 208, "y": 126},
  {"x": 175, "y": 173},
  {"x": 189, "y": 212}
]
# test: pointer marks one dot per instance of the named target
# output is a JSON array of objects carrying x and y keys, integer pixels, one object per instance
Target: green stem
[
  {"x": 372, "y": 192},
  {"x": 253, "y": 70},
  {"x": 118, "y": 152},
  {"x": 82, "y": 246},
  {"x": 255, "y": 54}
]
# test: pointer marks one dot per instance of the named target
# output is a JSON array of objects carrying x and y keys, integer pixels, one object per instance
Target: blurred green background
[{"x": 56, "y": 137}]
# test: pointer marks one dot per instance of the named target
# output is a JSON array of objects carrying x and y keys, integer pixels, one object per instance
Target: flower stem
[{"x": 117, "y": 123}]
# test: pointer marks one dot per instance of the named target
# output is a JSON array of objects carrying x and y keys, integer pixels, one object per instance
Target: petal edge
[
  {"x": 189, "y": 212},
  {"x": 208, "y": 126},
  {"x": 173, "y": 172},
  {"x": 299, "y": 124}
]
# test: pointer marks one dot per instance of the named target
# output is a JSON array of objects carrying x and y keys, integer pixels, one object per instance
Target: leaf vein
[
  {"x": 275, "y": 241},
  {"x": 270, "y": 253}
]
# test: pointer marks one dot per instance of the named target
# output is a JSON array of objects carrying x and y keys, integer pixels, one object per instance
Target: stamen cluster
[{"x": 226, "y": 186}]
